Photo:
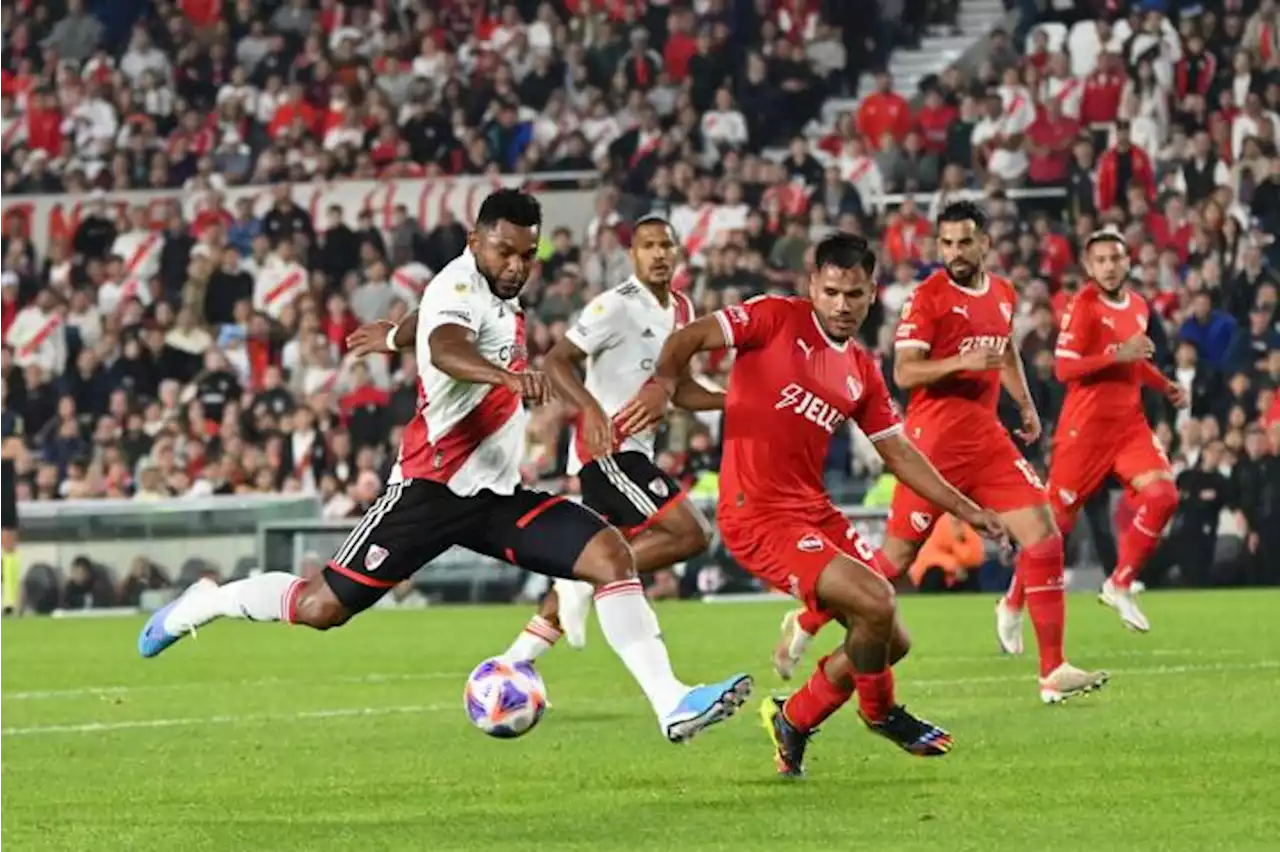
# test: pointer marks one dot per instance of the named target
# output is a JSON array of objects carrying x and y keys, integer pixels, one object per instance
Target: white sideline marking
[
  {"x": 348, "y": 712},
  {"x": 107, "y": 692}
]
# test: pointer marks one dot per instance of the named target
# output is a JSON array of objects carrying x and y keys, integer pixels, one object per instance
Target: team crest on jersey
[
  {"x": 809, "y": 544},
  {"x": 1068, "y": 497},
  {"x": 854, "y": 387},
  {"x": 1006, "y": 311},
  {"x": 920, "y": 521},
  {"x": 461, "y": 287},
  {"x": 375, "y": 556},
  {"x": 438, "y": 461},
  {"x": 659, "y": 488},
  {"x": 737, "y": 313}
]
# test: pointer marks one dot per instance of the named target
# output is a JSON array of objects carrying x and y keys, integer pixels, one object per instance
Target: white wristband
[{"x": 391, "y": 338}]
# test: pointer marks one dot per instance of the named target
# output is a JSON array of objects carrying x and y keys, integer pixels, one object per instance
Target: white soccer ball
[{"x": 505, "y": 699}]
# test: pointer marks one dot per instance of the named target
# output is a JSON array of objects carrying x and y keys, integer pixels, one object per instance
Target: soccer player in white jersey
[
  {"x": 620, "y": 335},
  {"x": 457, "y": 482}
]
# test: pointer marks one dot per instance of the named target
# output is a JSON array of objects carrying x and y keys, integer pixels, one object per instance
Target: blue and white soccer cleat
[
  {"x": 704, "y": 706},
  {"x": 154, "y": 637}
]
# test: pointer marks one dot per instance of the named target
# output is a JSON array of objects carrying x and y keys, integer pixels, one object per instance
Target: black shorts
[
  {"x": 628, "y": 489},
  {"x": 415, "y": 521},
  {"x": 9, "y": 499}
]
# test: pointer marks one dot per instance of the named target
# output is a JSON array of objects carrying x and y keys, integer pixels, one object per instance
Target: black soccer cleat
[
  {"x": 789, "y": 742},
  {"x": 912, "y": 735}
]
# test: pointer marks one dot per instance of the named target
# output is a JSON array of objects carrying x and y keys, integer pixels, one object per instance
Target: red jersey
[
  {"x": 1091, "y": 331},
  {"x": 791, "y": 388},
  {"x": 945, "y": 319}
]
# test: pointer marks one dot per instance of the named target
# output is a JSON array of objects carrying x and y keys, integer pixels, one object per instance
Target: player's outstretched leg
[
  {"x": 678, "y": 534},
  {"x": 631, "y": 629},
  {"x": 790, "y": 722},
  {"x": 1154, "y": 504},
  {"x": 1040, "y": 566},
  {"x": 270, "y": 596},
  {"x": 542, "y": 632},
  {"x": 866, "y": 602}
]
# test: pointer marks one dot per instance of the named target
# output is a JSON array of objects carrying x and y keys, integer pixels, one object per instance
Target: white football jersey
[
  {"x": 622, "y": 331},
  {"x": 467, "y": 436}
]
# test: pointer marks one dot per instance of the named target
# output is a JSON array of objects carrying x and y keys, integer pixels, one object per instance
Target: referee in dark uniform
[{"x": 10, "y": 450}]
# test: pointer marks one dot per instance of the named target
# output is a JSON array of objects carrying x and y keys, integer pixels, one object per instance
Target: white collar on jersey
[
  {"x": 649, "y": 294},
  {"x": 838, "y": 346},
  {"x": 1120, "y": 304},
  {"x": 980, "y": 290}
]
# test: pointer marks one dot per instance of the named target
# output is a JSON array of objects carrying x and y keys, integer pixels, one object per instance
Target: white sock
[
  {"x": 799, "y": 643},
  {"x": 631, "y": 629},
  {"x": 537, "y": 637},
  {"x": 267, "y": 597}
]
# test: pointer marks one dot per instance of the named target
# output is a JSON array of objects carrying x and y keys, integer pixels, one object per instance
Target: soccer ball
[{"x": 505, "y": 699}]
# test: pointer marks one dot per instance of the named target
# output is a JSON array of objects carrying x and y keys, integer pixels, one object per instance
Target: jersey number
[{"x": 1030, "y": 473}]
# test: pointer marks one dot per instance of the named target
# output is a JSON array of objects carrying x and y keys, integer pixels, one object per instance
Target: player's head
[
  {"x": 842, "y": 287},
  {"x": 654, "y": 250},
  {"x": 505, "y": 240},
  {"x": 1106, "y": 259},
  {"x": 963, "y": 240}
]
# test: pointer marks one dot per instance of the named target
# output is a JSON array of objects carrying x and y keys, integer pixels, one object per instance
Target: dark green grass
[{"x": 275, "y": 738}]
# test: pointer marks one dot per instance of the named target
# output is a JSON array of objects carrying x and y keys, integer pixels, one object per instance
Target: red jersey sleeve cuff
[
  {"x": 895, "y": 429},
  {"x": 911, "y": 344},
  {"x": 1065, "y": 353},
  {"x": 726, "y": 328}
]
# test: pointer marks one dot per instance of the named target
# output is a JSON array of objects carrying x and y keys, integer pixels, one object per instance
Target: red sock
[
  {"x": 814, "y": 702},
  {"x": 1040, "y": 567},
  {"x": 1017, "y": 594},
  {"x": 875, "y": 694},
  {"x": 1154, "y": 507},
  {"x": 813, "y": 620}
]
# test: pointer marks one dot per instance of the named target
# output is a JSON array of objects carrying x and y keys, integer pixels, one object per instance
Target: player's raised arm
[
  {"x": 650, "y": 405},
  {"x": 698, "y": 393},
  {"x": 384, "y": 336},
  {"x": 454, "y": 353},
  {"x": 916, "y": 472},
  {"x": 912, "y": 366},
  {"x": 1014, "y": 379}
]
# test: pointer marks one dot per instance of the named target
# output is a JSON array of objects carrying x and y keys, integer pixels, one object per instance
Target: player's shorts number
[
  {"x": 865, "y": 551},
  {"x": 1030, "y": 473}
]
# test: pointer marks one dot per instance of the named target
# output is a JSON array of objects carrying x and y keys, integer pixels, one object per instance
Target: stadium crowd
[{"x": 155, "y": 355}]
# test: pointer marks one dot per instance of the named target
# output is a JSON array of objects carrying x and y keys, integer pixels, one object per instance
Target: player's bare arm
[
  {"x": 698, "y": 393},
  {"x": 384, "y": 336},
  {"x": 454, "y": 353},
  {"x": 917, "y": 473},
  {"x": 912, "y": 368},
  {"x": 1014, "y": 379},
  {"x": 563, "y": 366},
  {"x": 650, "y": 405}
]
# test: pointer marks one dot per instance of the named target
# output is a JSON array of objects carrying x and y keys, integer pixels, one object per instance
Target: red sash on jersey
[
  {"x": 11, "y": 133},
  {"x": 701, "y": 230},
  {"x": 290, "y": 281},
  {"x": 37, "y": 340},
  {"x": 409, "y": 281},
  {"x": 857, "y": 172}
]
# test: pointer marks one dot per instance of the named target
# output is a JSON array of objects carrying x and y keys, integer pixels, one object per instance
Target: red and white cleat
[{"x": 1125, "y": 605}]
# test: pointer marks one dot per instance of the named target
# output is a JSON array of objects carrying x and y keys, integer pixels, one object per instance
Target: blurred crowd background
[{"x": 195, "y": 346}]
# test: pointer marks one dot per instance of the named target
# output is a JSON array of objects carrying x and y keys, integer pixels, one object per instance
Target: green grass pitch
[{"x": 267, "y": 737}]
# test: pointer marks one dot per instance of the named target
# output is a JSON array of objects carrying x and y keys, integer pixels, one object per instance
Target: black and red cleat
[
  {"x": 789, "y": 742},
  {"x": 912, "y": 735}
]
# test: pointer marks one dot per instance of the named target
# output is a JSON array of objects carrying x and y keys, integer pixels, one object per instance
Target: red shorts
[
  {"x": 790, "y": 551},
  {"x": 1082, "y": 461},
  {"x": 994, "y": 474}
]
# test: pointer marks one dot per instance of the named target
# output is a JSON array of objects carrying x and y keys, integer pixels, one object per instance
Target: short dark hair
[
  {"x": 654, "y": 219},
  {"x": 510, "y": 205},
  {"x": 964, "y": 211},
  {"x": 845, "y": 251}
]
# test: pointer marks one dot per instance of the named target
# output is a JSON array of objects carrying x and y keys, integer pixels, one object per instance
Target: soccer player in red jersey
[
  {"x": 1102, "y": 356},
  {"x": 954, "y": 351},
  {"x": 797, "y": 378}
]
